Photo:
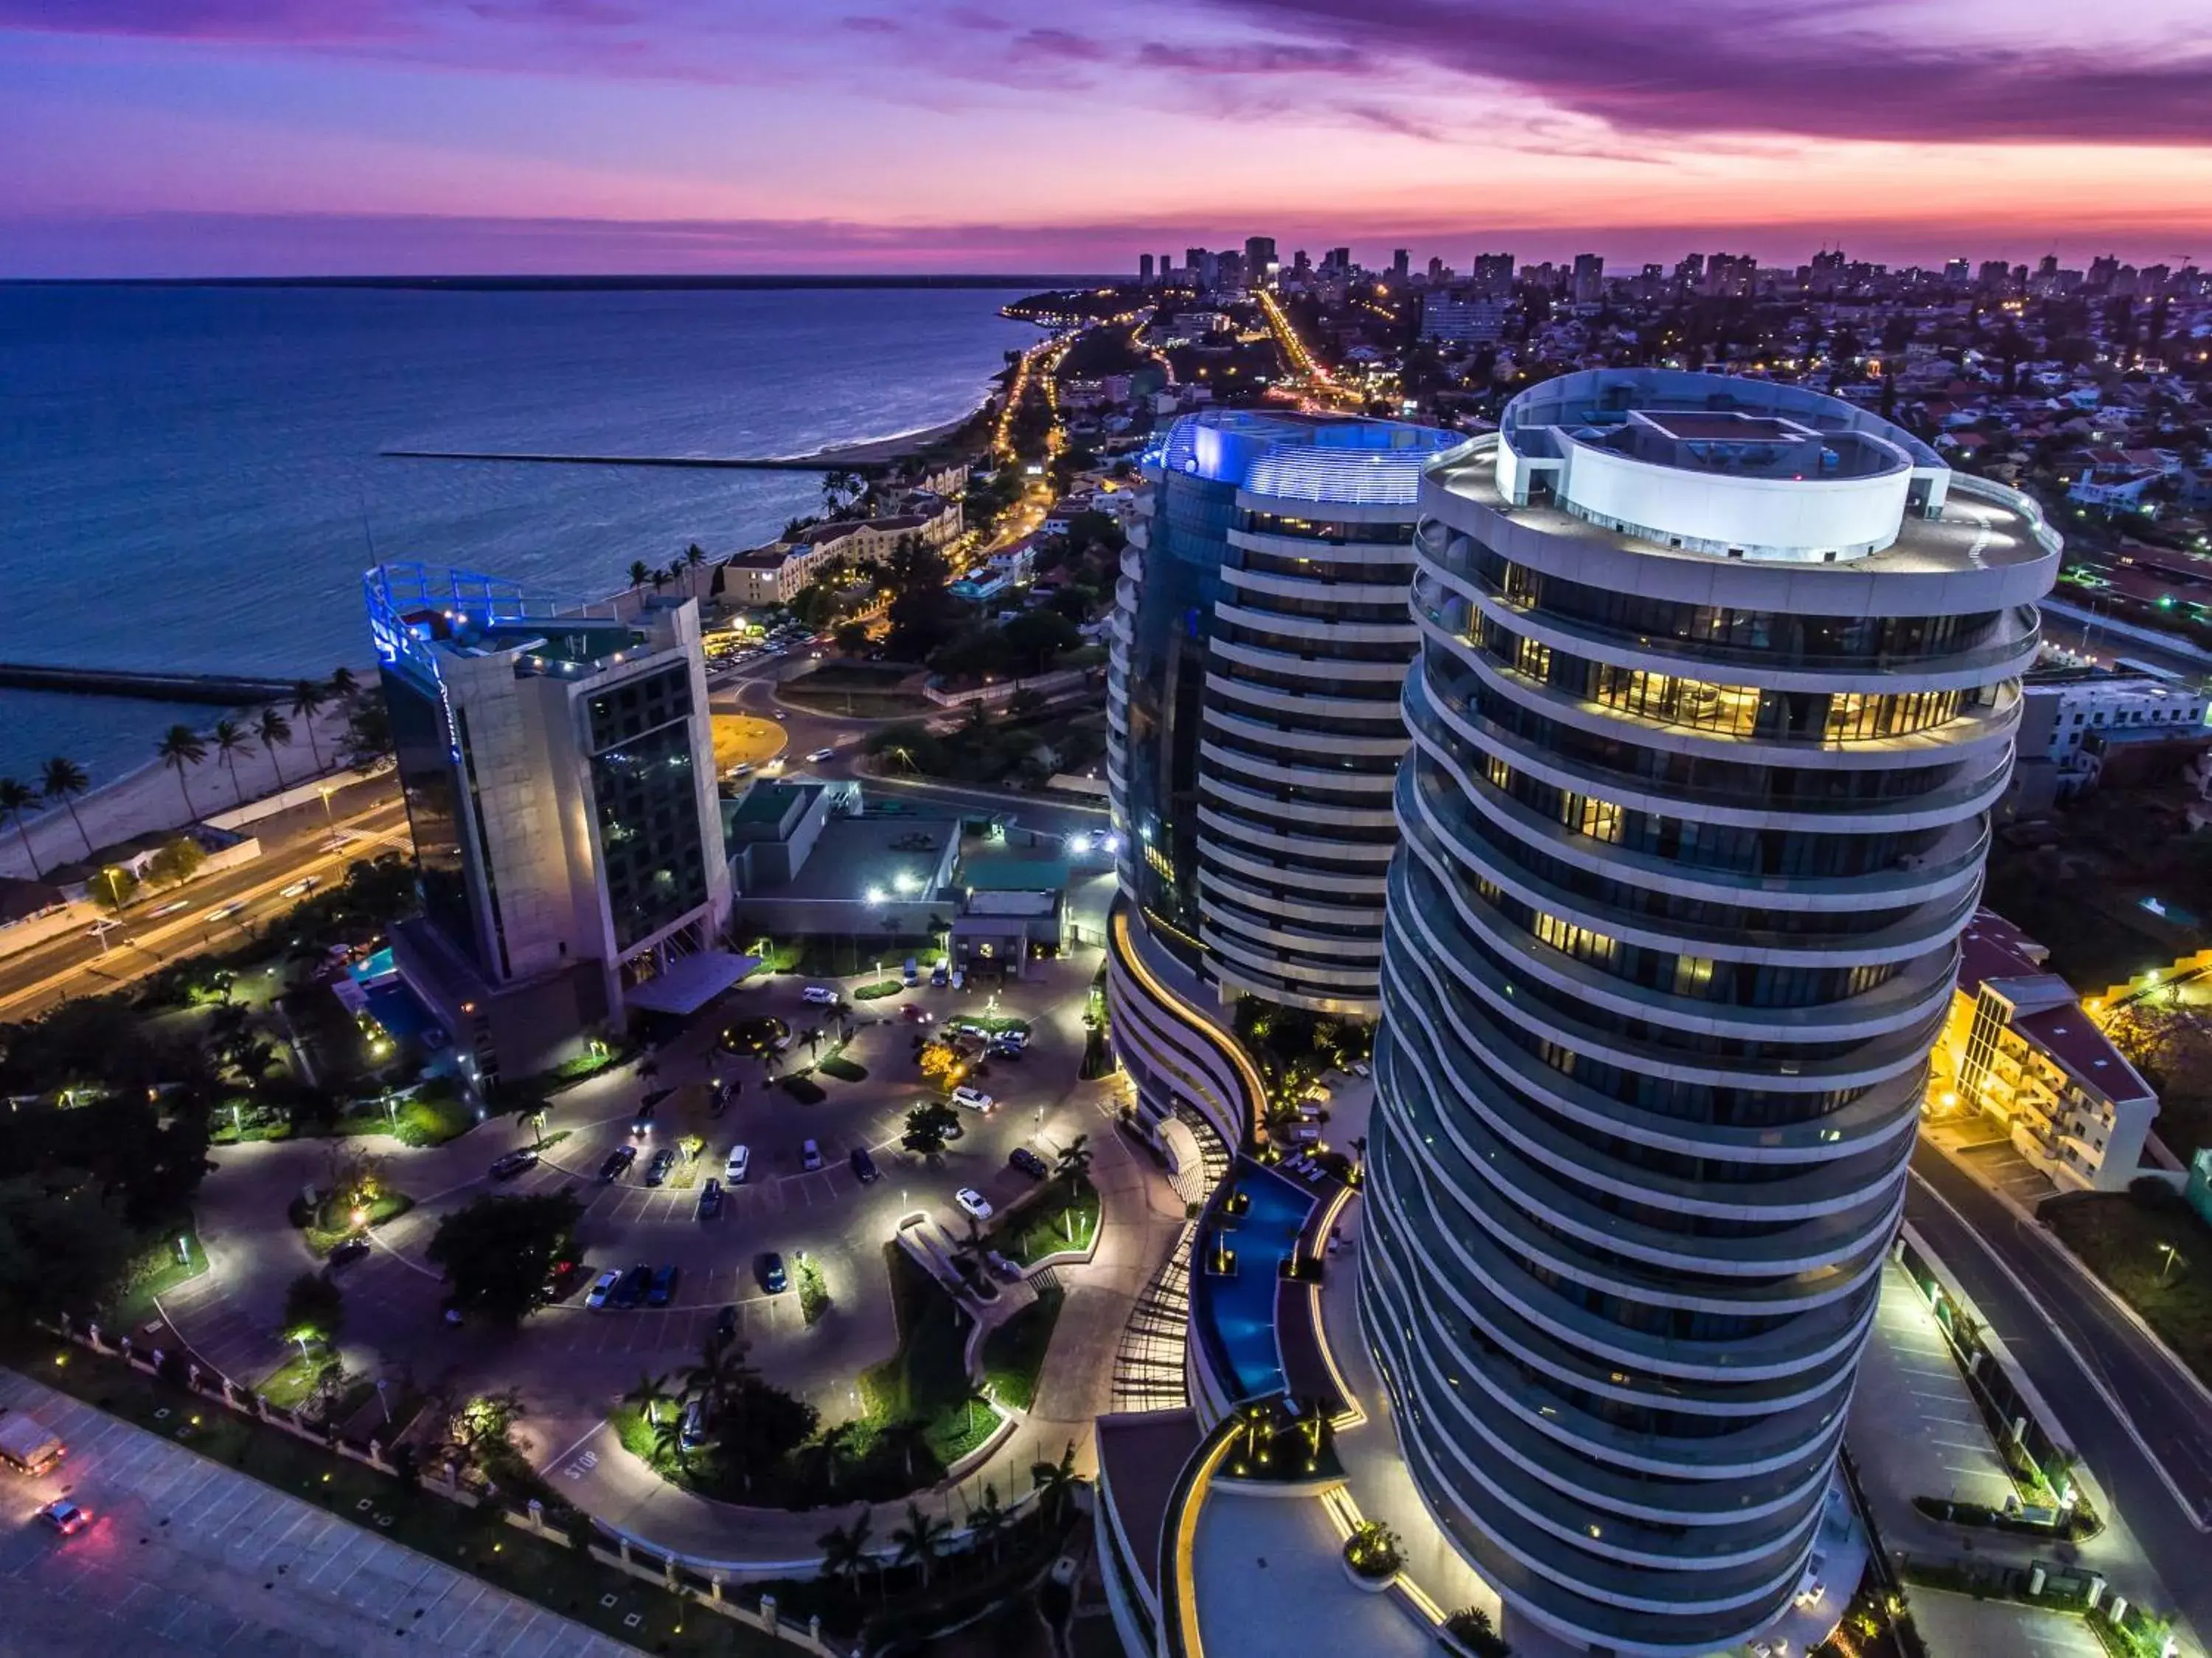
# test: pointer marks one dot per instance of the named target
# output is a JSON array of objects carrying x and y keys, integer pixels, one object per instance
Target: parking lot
[
  {"x": 184, "y": 1556},
  {"x": 1924, "y": 1435}
]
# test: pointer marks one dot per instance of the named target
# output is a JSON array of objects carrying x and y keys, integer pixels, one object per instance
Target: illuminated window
[{"x": 1581, "y": 942}]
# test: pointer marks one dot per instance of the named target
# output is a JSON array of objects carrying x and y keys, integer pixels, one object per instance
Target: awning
[{"x": 689, "y": 983}]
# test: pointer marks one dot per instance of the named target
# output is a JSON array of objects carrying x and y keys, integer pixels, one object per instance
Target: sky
[{"x": 198, "y": 137}]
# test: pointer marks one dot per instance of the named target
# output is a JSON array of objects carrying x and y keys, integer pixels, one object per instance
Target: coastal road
[
  {"x": 370, "y": 820},
  {"x": 2101, "y": 1375}
]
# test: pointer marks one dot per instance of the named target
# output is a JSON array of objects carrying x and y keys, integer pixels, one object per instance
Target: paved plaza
[{"x": 184, "y": 1556}]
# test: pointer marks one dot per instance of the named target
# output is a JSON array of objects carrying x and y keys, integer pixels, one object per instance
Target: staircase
[{"x": 1148, "y": 1364}]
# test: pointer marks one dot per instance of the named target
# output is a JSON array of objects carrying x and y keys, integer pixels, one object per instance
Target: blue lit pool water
[
  {"x": 399, "y": 1010},
  {"x": 1240, "y": 1312},
  {"x": 377, "y": 966}
]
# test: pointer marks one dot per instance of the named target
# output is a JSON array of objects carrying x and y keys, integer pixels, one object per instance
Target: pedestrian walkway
[{"x": 187, "y": 1556}]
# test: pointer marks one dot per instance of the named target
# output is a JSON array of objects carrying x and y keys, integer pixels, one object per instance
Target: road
[
  {"x": 2092, "y": 1364},
  {"x": 370, "y": 820}
]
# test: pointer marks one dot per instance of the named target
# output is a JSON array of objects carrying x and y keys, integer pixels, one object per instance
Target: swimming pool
[{"x": 1236, "y": 1316}]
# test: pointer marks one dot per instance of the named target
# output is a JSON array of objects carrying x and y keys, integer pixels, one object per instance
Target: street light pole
[
  {"x": 2166, "y": 1267},
  {"x": 330, "y": 823}
]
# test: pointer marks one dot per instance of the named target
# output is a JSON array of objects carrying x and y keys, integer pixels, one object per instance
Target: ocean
[{"x": 191, "y": 478}]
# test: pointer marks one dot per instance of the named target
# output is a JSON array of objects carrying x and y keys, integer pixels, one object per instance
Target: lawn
[
  {"x": 433, "y": 1117},
  {"x": 1014, "y": 1354},
  {"x": 927, "y": 1379},
  {"x": 2122, "y": 1236},
  {"x": 155, "y": 1273},
  {"x": 330, "y": 1228},
  {"x": 1045, "y": 1226},
  {"x": 563, "y": 1581}
]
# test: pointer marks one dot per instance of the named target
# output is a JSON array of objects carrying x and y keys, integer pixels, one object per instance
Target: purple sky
[{"x": 192, "y": 137}]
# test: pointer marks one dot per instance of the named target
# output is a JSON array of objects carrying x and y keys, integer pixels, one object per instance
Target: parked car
[
  {"x": 693, "y": 1432},
  {"x": 1028, "y": 1162},
  {"x": 710, "y": 1198},
  {"x": 738, "y": 1165},
  {"x": 602, "y": 1288},
  {"x": 726, "y": 1325},
  {"x": 769, "y": 1269},
  {"x": 349, "y": 1252},
  {"x": 1011, "y": 1041},
  {"x": 940, "y": 975},
  {"x": 819, "y": 996},
  {"x": 810, "y": 1156},
  {"x": 514, "y": 1163},
  {"x": 973, "y": 1099},
  {"x": 618, "y": 1162},
  {"x": 864, "y": 1166},
  {"x": 64, "y": 1517},
  {"x": 663, "y": 1161},
  {"x": 635, "y": 1283},
  {"x": 974, "y": 1202},
  {"x": 662, "y": 1289},
  {"x": 562, "y": 1278}
]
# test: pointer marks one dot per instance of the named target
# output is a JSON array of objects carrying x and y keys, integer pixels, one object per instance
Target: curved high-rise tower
[{"x": 1718, "y": 681}]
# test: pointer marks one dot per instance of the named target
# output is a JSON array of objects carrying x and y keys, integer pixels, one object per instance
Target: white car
[
  {"x": 972, "y": 1099},
  {"x": 602, "y": 1287},
  {"x": 974, "y": 1202},
  {"x": 298, "y": 889},
  {"x": 169, "y": 909},
  {"x": 223, "y": 913},
  {"x": 820, "y": 755},
  {"x": 740, "y": 1160},
  {"x": 1011, "y": 1041},
  {"x": 820, "y": 996},
  {"x": 810, "y": 1156}
]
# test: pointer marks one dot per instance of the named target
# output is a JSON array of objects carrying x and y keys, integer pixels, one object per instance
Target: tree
[
  {"x": 694, "y": 555},
  {"x": 1471, "y": 1627},
  {"x": 64, "y": 1247},
  {"x": 17, "y": 797},
  {"x": 181, "y": 748},
  {"x": 921, "y": 1540},
  {"x": 231, "y": 740},
  {"x": 762, "y": 1424},
  {"x": 64, "y": 780},
  {"x": 722, "y": 1370},
  {"x": 309, "y": 700},
  {"x": 668, "y": 1441},
  {"x": 275, "y": 732},
  {"x": 845, "y": 1548},
  {"x": 986, "y": 1520},
  {"x": 343, "y": 685},
  {"x": 640, "y": 573},
  {"x": 368, "y": 734},
  {"x": 648, "y": 1393},
  {"x": 497, "y": 1249},
  {"x": 114, "y": 887},
  {"x": 1055, "y": 1482},
  {"x": 177, "y": 861},
  {"x": 927, "y": 1128},
  {"x": 850, "y": 638},
  {"x": 314, "y": 1310},
  {"x": 1073, "y": 1166}
]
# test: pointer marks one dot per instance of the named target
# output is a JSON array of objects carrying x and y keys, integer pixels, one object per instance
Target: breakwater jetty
[
  {"x": 709, "y": 463},
  {"x": 216, "y": 689}
]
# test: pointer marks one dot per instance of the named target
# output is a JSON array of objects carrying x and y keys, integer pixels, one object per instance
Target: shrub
[
  {"x": 842, "y": 1068},
  {"x": 882, "y": 987},
  {"x": 1471, "y": 1629},
  {"x": 1371, "y": 1551}
]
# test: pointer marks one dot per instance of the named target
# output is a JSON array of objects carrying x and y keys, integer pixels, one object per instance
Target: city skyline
[{"x": 574, "y": 136}]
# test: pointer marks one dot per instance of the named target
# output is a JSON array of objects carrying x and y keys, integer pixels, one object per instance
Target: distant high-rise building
[
  {"x": 1995, "y": 277},
  {"x": 1693, "y": 823},
  {"x": 2103, "y": 271},
  {"x": 1197, "y": 261},
  {"x": 1438, "y": 271},
  {"x": 1144, "y": 269},
  {"x": 1493, "y": 275},
  {"x": 1827, "y": 271},
  {"x": 1301, "y": 264},
  {"x": 1260, "y": 262},
  {"x": 1588, "y": 278},
  {"x": 558, "y": 771},
  {"x": 1166, "y": 267},
  {"x": 1955, "y": 272},
  {"x": 1690, "y": 271},
  {"x": 1338, "y": 260},
  {"x": 1401, "y": 264},
  {"x": 1470, "y": 321},
  {"x": 2154, "y": 280}
]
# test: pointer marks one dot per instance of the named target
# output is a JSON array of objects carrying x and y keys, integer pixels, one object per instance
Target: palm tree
[
  {"x": 17, "y": 797},
  {"x": 308, "y": 701},
  {"x": 640, "y": 573},
  {"x": 649, "y": 1392},
  {"x": 532, "y": 1117},
  {"x": 845, "y": 1548},
  {"x": 921, "y": 1540},
  {"x": 181, "y": 748},
  {"x": 1073, "y": 1166},
  {"x": 903, "y": 1438},
  {"x": 695, "y": 555},
  {"x": 668, "y": 1441},
  {"x": 720, "y": 1369},
  {"x": 64, "y": 780},
  {"x": 1056, "y": 1481},
  {"x": 343, "y": 684},
  {"x": 230, "y": 741},
  {"x": 275, "y": 732},
  {"x": 986, "y": 1520}
]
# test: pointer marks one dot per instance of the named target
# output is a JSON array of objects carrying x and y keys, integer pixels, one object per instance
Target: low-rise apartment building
[
  {"x": 773, "y": 574},
  {"x": 2025, "y": 1051}
]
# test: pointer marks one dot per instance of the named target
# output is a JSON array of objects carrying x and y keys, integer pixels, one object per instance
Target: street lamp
[
  {"x": 2165, "y": 1266},
  {"x": 330, "y": 823}
]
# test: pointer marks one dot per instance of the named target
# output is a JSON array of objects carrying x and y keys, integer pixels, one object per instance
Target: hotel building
[
  {"x": 1260, "y": 642},
  {"x": 558, "y": 773},
  {"x": 1718, "y": 681}
]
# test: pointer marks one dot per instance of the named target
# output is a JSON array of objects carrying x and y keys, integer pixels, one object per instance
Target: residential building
[
  {"x": 558, "y": 771},
  {"x": 2074, "y": 717},
  {"x": 1589, "y": 282},
  {"x": 1260, "y": 262},
  {"x": 775, "y": 574},
  {"x": 1493, "y": 275},
  {"x": 2022, "y": 1049},
  {"x": 1463, "y": 321},
  {"x": 1718, "y": 682}
]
